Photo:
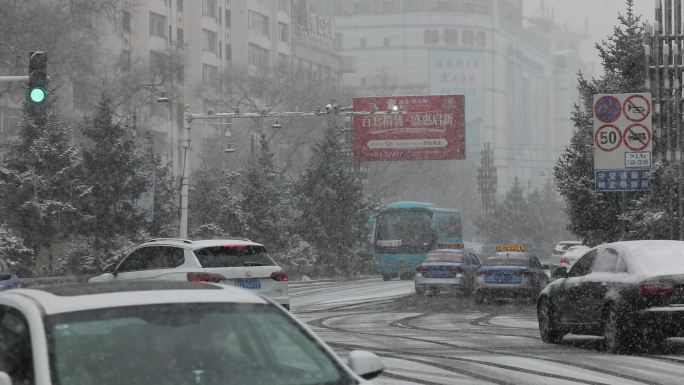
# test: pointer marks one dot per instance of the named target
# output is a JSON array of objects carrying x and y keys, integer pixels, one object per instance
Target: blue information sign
[{"x": 622, "y": 180}]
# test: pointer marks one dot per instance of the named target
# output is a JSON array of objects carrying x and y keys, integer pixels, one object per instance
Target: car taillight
[
  {"x": 484, "y": 273},
  {"x": 280, "y": 276},
  {"x": 523, "y": 273},
  {"x": 654, "y": 289},
  {"x": 205, "y": 277},
  {"x": 564, "y": 260},
  {"x": 421, "y": 269},
  {"x": 457, "y": 270}
]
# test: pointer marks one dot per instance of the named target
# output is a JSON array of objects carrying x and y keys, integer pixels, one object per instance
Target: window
[
  {"x": 227, "y": 18},
  {"x": 209, "y": 8},
  {"x": 135, "y": 261},
  {"x": 607, "y": 262},
  {"x": 363, "y": 42},
  {"x": 180, "y": 38},
  {"x": 126, "y": 21},
  {"x": 155, "y": 257},
  {"x": 180, "y": 73},
  {"x": 283, "y": 62},
  {"x": 282, "y": 5},
  {"x": 258, "y": 56},
  {"x": 234, "y": 256},
  {"x": 583, "y": 266},
  {"x": 209, "y": 75},
  {"x": 283, "y": 32},
  {"x": 229, "y": 52},
  {"x": 179, "y": 5},
  {"x": 165, "y": 257},
  {"x": 16, "y": 355},
  {"x": 209, "y": 39},
  {"x": 159, "y": 63},
  {"x": 258, "y": 23},
  {"x": 157, "y": 25}
]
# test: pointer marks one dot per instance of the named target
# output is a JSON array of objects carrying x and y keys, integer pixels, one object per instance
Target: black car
[{"x": 631, "y": 293}]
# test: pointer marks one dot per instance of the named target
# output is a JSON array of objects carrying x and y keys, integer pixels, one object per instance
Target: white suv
[{"x": 239, "y": 262}]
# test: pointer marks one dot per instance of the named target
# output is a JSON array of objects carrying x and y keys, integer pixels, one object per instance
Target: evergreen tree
[
  {"x": 117, "y": 172},
  {"x": 599, "y": 217},
  {"x": 15, "y": 253},
  {"x": 214, "y": 205},
  {"x": 334, "y": 210},
  {"x": 266, "y": 200},
  {"x": 40, "y": 186}
]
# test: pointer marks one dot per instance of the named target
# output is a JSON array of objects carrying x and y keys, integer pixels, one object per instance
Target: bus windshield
[
  {"x": 448, "y": 226},
  {"x": 407, "y": 230}
]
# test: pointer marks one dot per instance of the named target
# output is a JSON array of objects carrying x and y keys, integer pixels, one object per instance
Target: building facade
[{"x": 517, "y": 74}]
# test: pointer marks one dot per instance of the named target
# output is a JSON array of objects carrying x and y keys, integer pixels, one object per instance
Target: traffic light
[{"x": 37, "y": 84}]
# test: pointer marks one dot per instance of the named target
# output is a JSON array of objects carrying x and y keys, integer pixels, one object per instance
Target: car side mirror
[
  {"x": 559, "y": 272},
  {"x": 5, "y": 379},
  {"x": 365, "y": 364},
  {"x": 111, "y": 269}
]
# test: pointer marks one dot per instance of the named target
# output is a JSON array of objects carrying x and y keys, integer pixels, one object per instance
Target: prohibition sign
[
  {"x": 637, "y": 108},
  {"x": 608, "y": 109},
  {"x": 637, "y": 137},
  {"x": 608, "y": 137}
]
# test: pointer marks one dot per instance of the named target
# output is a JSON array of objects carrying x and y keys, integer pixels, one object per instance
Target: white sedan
[{"x": 141, "y": 333}]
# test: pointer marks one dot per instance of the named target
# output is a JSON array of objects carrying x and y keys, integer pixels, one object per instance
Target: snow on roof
[{"x": 658, "y": 257}]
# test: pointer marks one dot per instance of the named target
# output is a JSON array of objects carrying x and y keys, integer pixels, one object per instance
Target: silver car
[{"x": 447, "y": 270}]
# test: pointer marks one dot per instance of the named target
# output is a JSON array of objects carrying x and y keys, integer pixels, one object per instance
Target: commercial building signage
[
  {"x": 455, "y": 37},
  {"x": 622, "y": 142},
  {"x": 422, "y": 128}
]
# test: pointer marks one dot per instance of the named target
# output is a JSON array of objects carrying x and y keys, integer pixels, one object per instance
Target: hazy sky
[{"x": 601, "y": 14}]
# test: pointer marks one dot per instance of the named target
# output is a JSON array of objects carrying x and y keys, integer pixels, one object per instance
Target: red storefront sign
[{"x": 431, "y": 128}]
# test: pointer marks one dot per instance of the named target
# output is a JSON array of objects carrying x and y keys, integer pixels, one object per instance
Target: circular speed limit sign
[{"x": 608, "y": 137}]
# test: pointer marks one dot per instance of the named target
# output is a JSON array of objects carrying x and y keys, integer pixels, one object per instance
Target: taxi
[{"x": 511, "y": 273}]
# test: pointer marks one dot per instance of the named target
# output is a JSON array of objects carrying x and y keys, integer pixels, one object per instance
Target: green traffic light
[{"x": 37, "y": 95}]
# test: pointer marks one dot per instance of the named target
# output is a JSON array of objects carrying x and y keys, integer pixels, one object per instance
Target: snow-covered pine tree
[
  {"x": 334, "y": 209},
  {"x": 40, "y": 184},
  {"x": 117, "y": 173},
  {"x": 266, "y": 200}
]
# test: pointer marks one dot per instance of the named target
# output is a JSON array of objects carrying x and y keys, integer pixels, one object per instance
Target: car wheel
[
  {"x": 386, "y": 277},
  {"x": 549, "y": 331},
  {"x": 614, "y": 333}
]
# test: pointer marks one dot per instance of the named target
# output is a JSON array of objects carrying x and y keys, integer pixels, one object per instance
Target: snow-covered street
[{"x": 491, "y": 344}]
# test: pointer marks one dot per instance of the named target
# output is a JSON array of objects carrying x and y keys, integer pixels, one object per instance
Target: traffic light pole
[{"x": 191, "y": 117}]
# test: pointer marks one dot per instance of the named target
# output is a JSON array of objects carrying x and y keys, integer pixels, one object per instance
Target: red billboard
[{"x": 424, "y": 128}]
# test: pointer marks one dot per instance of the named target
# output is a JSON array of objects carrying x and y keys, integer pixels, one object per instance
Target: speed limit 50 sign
[{"x": 622, "y": 141}]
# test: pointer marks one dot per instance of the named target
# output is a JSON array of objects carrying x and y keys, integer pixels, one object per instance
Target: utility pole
[{"x": 663, "y": 66}]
